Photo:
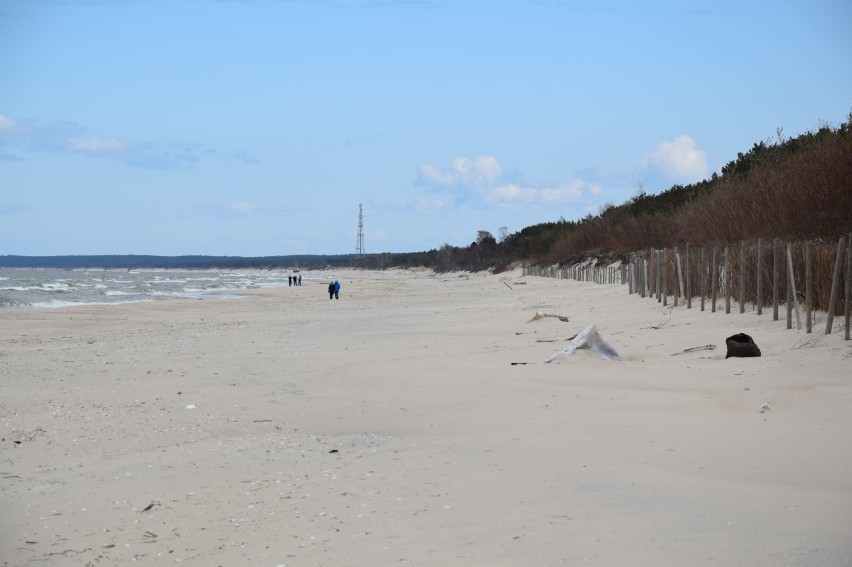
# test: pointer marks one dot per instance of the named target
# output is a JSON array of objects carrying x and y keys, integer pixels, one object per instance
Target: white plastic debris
[
  {"x": 190, "y": 406},
  {"x": 589, "y": 339}
]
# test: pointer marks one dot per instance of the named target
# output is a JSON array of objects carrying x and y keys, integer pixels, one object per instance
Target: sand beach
[{"x": 412, "y": 422}]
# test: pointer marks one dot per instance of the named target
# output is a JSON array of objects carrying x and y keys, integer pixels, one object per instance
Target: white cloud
[
  {"x": 6, "y": 123},
  {"x": 513, "y": 193},
  {"x": 482, "y": 170},
  {"x": 483, "y": 178},
  {"x": 678, "y": 160},
  {"x": 464, "y": 172},
  {"x": 430, "y": 175}
]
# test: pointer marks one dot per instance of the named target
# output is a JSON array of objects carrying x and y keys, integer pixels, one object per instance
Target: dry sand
[{"x": 391, "y": 427}]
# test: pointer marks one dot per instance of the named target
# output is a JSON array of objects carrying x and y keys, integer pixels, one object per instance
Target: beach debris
[
  {"x": 705, "y": 347},
  {"x": 190, "y": 406},
  {"x": 589, "y": 339},
  {"x": 507, "y": 285},
  {"x": 148, "y": 507},
  {"x": 333, "y": 451},
  {"x": 539, "y": 315},
  {"x": 741, "y": 345},
  {"x": 765, "y": 408},
  {"x": 660, "y": 326}
]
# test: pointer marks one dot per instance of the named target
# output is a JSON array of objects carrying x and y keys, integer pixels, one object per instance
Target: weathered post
[
  {"x": 848, "y": 283},
  {"x": 809, "y": 278},
  {"x": 675, "y": 286},
  {"x": 703, "y": 275},
  {"x": 688, "y": 281},
  {"x": 775, "y": 268},
  {"x": 665, "y": 266},
  {"x": 835, "y": 284},
  {"x": 680, "y": 290},
  {"x": 728, "y": 280},
  {"x": 659, "y": 267},
  {"x": 742, "y": 277},
  {"x": 631, "y": 267},
  {"x": 759, "y": 276},
  {"x": 792, "y": 286},
  {"x": 713, "y": 284}
]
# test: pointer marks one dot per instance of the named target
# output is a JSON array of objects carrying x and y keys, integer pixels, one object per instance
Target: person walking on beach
[
  {"x": 289, "y": 281},
  {"x": 336, "y": 289},
  {"x": 300, "y": 279},
  {"x": 331, "y": 290}
]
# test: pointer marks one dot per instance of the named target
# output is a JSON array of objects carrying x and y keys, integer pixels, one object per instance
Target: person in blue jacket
[{"x": 336, "y": 289}]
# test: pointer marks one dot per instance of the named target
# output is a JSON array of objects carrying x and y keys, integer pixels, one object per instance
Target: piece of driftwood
[
  {"x": 539, "y": 315},
  {"x": 705, "y": 347}
]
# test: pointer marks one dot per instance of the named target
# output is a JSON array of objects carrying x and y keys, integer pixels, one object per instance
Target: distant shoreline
[{"x": 187, "y": 262}]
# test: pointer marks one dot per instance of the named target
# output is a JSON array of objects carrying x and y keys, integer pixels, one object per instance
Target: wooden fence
[{"x": 805, "y": 278}]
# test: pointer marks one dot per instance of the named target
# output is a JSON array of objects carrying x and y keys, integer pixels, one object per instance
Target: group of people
[
  {"x": 334, "y": 290},
  {"x": 333, "y": 287}
]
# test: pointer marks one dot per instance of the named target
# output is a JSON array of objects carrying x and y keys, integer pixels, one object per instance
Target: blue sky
[{"x": 256, "y": 127}]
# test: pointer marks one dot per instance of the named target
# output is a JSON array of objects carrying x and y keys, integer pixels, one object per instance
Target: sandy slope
[{"x": 391, "y": 427}]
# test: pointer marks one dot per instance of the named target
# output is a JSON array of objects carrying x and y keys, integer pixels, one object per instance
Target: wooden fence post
[
  {"x": 665, "y": 263},
  {"x": 728, "y": 280},
  {"x": 835, "y": 284},
  {"x": 792, "y": 286},
  {"x": 848, "y": 283},
  {"x": 674, "y": 277},
  {"x": 659, "y": 269},
  {"x": 789, "y": 304},
  {"x": 742, "y": 277},
  {"x": 759, "y": 300},
  {"x": 713, "y": 284},
  {"x": 809, "y": 276},
  {"x": 688, "y": 281},
  {"x": 703, "y": 282},
  {"x": 775, "y": 269}
]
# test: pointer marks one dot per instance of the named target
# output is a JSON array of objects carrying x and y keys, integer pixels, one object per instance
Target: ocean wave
[
  {"x": 53, "y": 288},
  {"x": 56, "y": 303}
]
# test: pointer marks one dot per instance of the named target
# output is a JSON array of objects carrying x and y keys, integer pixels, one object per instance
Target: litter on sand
[
  {"x": 741, "y": 345},
  {"x": 539, "y": 315},
  {"x": 588, "y": 339}
]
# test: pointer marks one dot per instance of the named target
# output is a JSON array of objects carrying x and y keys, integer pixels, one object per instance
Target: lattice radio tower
[{"x": 359, "y": 248}]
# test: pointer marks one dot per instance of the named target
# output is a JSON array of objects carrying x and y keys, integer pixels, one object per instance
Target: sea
[{"x": 47, "y": 288}]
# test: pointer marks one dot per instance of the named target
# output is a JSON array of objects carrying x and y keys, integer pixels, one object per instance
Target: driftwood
[
  {"x": 539, "y": 315},
  {"x": 705, "y": 347}
]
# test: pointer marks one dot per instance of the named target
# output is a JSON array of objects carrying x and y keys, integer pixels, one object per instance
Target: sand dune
[{"x": 413, "y": 422}]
